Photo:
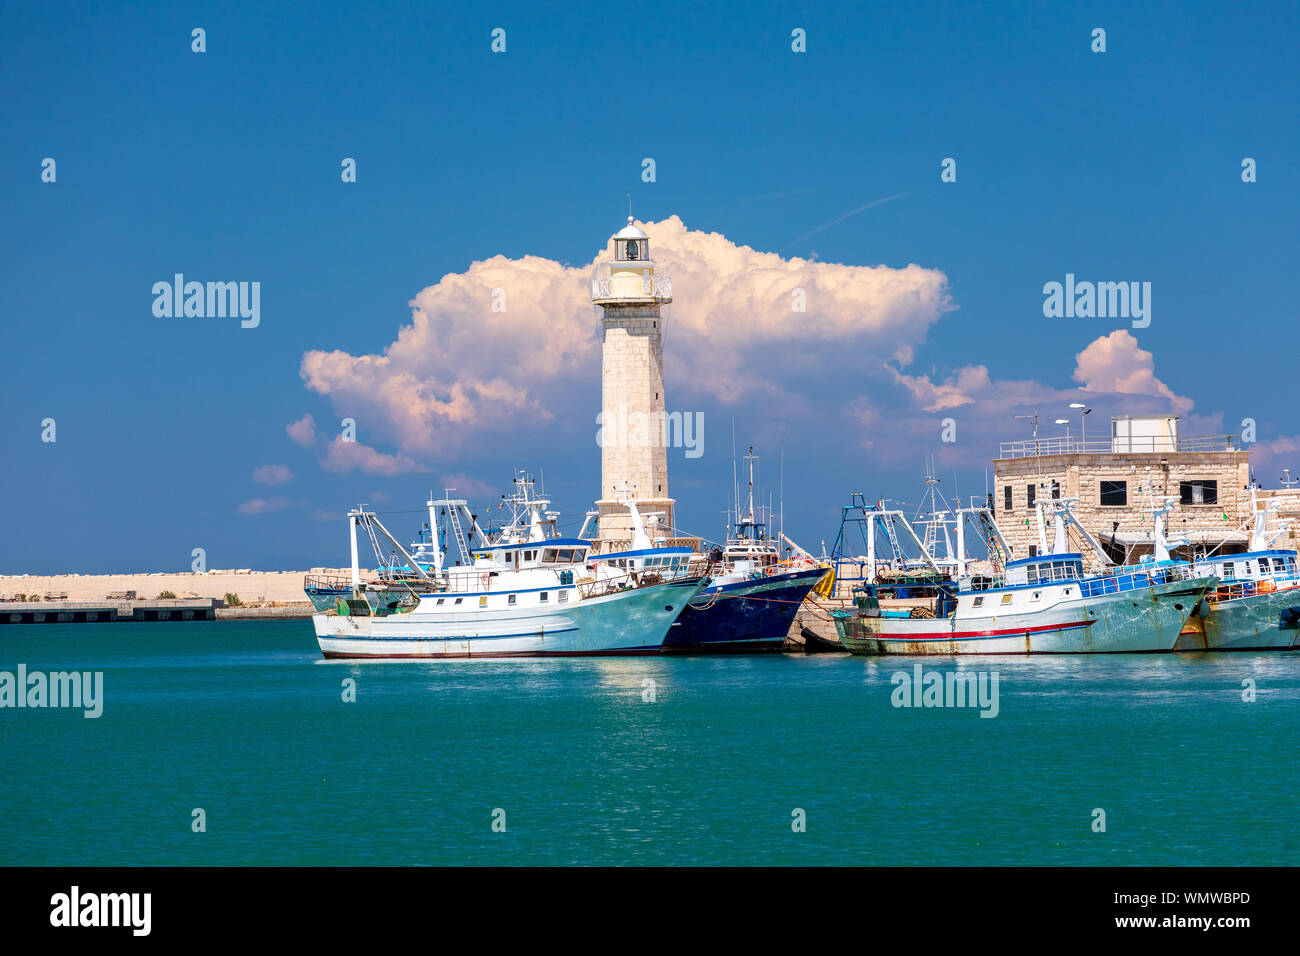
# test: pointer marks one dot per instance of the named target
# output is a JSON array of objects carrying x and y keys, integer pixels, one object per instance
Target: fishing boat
[
  {"x": 1043, "y": 604},
  {"x": 1256, "y": 605},
  {"x": 753, "y": 594},
  {"x": 522, "y": 594}
]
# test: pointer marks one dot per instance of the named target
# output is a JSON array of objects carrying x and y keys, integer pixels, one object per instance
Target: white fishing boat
[
  {"x": 1256, "y": 605},
  {"x": 1045, "y": 604},
  {"x": 521, "y": 595}
]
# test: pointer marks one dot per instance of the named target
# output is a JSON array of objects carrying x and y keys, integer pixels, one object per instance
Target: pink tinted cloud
[
  {"x": 272, "y": 475},
  {"x": 303, "y": 431},
  {"x": 345, "y": 457}
]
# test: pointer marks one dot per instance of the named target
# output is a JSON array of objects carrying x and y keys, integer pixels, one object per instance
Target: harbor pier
[{"x": 107, "y": 612}]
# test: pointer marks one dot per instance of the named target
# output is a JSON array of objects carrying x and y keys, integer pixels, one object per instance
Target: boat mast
[
  {"x": 352, "y": 530},
  {"x": 433, "y": 533}
]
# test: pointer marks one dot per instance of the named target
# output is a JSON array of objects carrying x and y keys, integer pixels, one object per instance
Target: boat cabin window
[
  {"x": 1006, "y": 599},
  {"x": 440, "y": 601},
  {"x": 564, "y": 597},
  {"x": 482, "y": 601},
  {"x": 512, "y": 599},
  {"x": 548, "y": 555},
  {"x": 458, "y": 600},
  {"x": 543, "y": 597},
  {"x": 1228, "y": 569},
  {"x": 979, "y": 601},
  {"x": 1263, "y": 565}
]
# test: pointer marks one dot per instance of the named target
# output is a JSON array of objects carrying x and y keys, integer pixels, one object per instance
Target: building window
[
  {"x": 1198, "y": 492},
  {"x": 1006, "y": 498},
  {"x": 1033, "y": 553},
  {"x": 1114, "y": 494},
  {"x": 1056, "y": 490},
  {"x": 1030, "y": 491}
]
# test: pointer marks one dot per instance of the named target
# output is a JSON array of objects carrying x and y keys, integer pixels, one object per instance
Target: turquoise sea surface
[{"x": 246, "y": 721}]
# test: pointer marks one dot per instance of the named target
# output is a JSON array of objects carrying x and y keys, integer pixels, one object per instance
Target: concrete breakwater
[
  {"x": 250, "y": 587},
  {"x": 105, "y": 612},
  {"x": 104, "y": 598}
]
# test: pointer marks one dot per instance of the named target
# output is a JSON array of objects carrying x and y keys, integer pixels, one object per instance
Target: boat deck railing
[
  {"x": 1233, "y": 590},
  {"x": 628, "y": 581},
  {"x": 1129, "y": 578},
  {"x": 1106, "y": 581},
  {"x": 327, "y": 582}
]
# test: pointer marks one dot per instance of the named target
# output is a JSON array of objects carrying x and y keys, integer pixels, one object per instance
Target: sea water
[{"x": 234, "y": 743}]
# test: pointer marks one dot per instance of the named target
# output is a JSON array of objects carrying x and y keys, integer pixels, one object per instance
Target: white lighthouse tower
[{"x": 634, "y": 456}]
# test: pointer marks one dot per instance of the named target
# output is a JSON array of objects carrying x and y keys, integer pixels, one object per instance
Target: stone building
[{"x": 1118, "y": 479}]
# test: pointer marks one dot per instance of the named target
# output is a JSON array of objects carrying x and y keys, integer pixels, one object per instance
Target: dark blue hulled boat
[
  {"x": 753, "y": 596},
  {"x": 749, "y": 614}
]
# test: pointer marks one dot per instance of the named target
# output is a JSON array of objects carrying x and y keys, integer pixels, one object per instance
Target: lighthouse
[{"x": 633, "y": 427}]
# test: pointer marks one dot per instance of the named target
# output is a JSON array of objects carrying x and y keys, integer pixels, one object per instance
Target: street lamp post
[{"x": 1084, "y": 412}]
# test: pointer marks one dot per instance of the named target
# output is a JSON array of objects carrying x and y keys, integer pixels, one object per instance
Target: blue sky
[{"x": 1123, "y": 165}]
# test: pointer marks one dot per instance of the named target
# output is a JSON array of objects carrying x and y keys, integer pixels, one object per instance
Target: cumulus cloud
[
  {"x": 1111, "y": 365},
  {"x": 1115, "y": 364},
  {"x": 1276, "y": 454},
  {"x": 348, "y": 456},
  {"x": 303, "y": 431},
  {"x": 460, "y": 367},
  {"x": 272, "y": 475},
  {"x": 1118, "y": 377}
]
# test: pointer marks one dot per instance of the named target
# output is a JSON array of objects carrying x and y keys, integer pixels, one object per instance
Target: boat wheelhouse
[{"x": 646, "y": 556}]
